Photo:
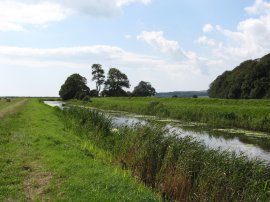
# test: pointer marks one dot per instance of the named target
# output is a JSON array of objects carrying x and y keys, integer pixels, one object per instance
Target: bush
[
  {"x": 93, "y": 93},
  {"x": 86, "y": 99}
]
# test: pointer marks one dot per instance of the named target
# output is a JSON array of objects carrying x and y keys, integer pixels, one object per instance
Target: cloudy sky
[{"x": 174, "y": 44}]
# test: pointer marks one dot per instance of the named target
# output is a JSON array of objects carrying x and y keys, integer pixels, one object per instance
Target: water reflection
[
  {"x": 126, "y": 121},
  {"x": 233, "y": 144},
  {"x": 55, "y": 103},
  {"x": 251, "y": 145}
]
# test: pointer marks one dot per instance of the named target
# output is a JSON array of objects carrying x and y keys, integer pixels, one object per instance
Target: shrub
[{"x": 87, "y": 98}]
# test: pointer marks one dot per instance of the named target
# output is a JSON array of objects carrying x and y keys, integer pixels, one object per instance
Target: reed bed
[
  {"x": 180, "y": 169},
  {"x": 246, "y": 114}
]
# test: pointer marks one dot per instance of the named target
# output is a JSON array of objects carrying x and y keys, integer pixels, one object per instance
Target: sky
[{"x": 174, "y": 44}]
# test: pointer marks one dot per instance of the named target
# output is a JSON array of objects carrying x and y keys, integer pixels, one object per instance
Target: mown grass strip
[
  {"x": 42, "y": 160},
  {"x": 7, "y": 108}
]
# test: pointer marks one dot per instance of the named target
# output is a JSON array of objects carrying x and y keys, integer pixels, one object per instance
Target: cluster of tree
[
  {"x": 75, "y": 87},
  {"x": 250, "y": 80}
]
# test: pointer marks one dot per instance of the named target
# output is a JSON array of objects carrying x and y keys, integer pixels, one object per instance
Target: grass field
[
  {"x": 41, "y": 159},
  {"x": 76, "y": 155},
  {"x": 246, "y": 114}
]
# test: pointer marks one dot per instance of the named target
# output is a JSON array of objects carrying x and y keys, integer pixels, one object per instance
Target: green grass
[
  {"x": 178, "y": 168},
  {"x": 41, "y": 159},
  {"x": 246, "y": 114}
]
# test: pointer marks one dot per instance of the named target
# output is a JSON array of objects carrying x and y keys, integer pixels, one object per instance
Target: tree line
[
  {"x": 250, "y": 80},
  {"x": 75, "y": 86}
]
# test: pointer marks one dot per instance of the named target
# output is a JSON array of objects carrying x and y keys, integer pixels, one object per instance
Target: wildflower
[{"x": 115, "y": 130}]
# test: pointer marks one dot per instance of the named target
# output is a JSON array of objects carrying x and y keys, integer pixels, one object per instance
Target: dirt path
[
  {"x": 37, "y": 183},
  {"x": 12, "y": 108}
]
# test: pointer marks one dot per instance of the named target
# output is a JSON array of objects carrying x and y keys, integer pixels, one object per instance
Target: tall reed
[
  {"x": 247, "y": 114},
  {"x": 181, "y": 169}
]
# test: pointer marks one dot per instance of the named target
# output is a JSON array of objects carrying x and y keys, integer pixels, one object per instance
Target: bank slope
[{"x": 42, "y": 160}]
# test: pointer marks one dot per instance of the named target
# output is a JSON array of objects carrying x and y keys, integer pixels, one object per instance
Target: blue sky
[{"x": 174, "y": 44}]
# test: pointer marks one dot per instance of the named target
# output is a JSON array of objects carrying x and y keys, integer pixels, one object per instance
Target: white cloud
[
  {"x": 206, "y": 41},
  {"x": 207, "y": 28},
  {"x": 17, "y": 15},
  {"x": 81, "y": 58},
  {"x": 125, "y": 2},
  {"x": 98, "y": 8},
  {"x": 249, "y": 40},
  {"x": 156, "y": 39},
  {"x": 14, "y": 15},
  {"x": 259, "y": 7},
  {"x": 188, "y": 60},
  {"x": 128, "y": 36},
  {"x": 82, "y": 55},
  {"x": 58, "y": 52},
  {"x": 9, "y": 26}
]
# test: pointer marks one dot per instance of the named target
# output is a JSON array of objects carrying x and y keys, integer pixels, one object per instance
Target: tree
[
  {"x": 144, "y": 89},
  {"x": 74, "y": 88},
  {"x": 251, "y": 79},
  {"x": 116, "y": 81},
  {"x": 98, "y": 76}
]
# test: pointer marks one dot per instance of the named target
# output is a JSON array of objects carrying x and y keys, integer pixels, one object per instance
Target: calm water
[
  {"x": 252, "y": 146},
  {"x": 54, "y": 103}
]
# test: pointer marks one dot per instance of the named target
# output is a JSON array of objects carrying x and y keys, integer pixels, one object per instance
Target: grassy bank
[
  {"x": 246, "y": 114},
  {"x": 178, "y": 168},
  {"x": 42, "y": 160}
]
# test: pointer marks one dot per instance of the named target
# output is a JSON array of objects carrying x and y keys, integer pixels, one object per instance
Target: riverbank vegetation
[
  {"x": 41, "y": 160},
  {"x": 246, "y": 114},
  {"x": 180, "y": 169}
]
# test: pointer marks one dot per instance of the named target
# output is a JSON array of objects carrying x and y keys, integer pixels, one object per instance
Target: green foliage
[
  {"x": 98, "y": 76},
  {"x": 90, "y": 119},
  {"x": 74, "y": 88},
  {"x": 144, "y": 89},
  {"x": 86, "y": 99},
  {"x": 116, "y": 81},
  {"x": 247, "y": 114},
  {"x": 42, "y": 160},
  {"x": 251, "y": 79},
  {"x": 182, "y": 169},
  {"x": 94, "y": 93}
]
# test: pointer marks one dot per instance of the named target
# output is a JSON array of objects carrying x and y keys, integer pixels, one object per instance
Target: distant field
[
  {"x": 183, "y": 94},
  {"x": 248, "y": 114}
]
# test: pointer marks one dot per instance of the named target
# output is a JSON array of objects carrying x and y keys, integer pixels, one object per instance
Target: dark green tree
[
  {"x": 116, "y": 81},
  {"x": 144, "y": 89},
  {"x": 250, "y": 80},
  {"x": 74, "y": 88},
  {"x": 98, "y": 76}
]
